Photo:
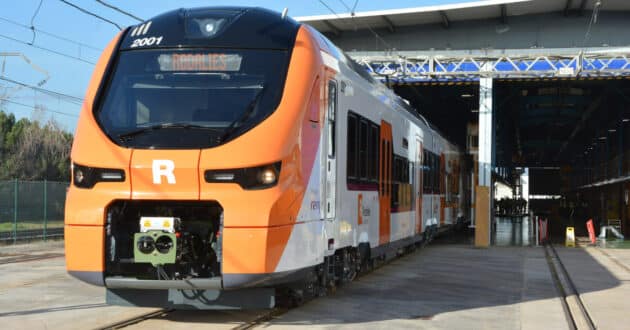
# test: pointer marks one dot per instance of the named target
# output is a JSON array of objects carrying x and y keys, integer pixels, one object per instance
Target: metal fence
[{"x": 31, "y": 210}]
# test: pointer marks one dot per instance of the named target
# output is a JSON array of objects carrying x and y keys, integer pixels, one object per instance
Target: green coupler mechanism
[{"x": 154, "y": 246}]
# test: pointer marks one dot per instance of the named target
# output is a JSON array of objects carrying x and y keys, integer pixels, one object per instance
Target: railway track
[
  {"x": 575, "y": 311},
  {"x": 136, "y": 320},
  {"x": 31, "y": 234},
  {"x": 15, "y": 258},
  {"x": 163, "y": 313},
  {"x": 614, "y": 260}
]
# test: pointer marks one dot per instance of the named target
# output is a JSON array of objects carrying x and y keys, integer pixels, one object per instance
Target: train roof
[
  {"x": 365, "y": 75},
  {"x": 239, "y": 27},
  {"x": 220, "y": 27}
]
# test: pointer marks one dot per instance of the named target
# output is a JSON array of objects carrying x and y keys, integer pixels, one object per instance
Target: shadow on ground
[{"x": 447, "y": 276}]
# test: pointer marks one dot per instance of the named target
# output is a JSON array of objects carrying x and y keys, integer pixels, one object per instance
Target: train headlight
[
  {"x": 251, "y": 178},
  {"x": 79, "y": 176},
  {"x": 211, "y": 26},
  {"x": 87, "y": 177},
  {"x": 267, "y": 176},
  {"x": 208, "y": 25}
]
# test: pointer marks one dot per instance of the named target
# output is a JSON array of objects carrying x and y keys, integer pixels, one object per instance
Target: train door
[
  {"x": 385, "y": 182},
  {"x": 430, "y": 168},
  {"x": 443, "y": 189},
  {"x": 419, "y": 184},
  {"x": 330, "y": 159}
]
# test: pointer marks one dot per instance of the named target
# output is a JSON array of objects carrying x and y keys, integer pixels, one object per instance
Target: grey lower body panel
[
  {"x": 213, "y": 283},
  {"x": 225, "y": 282},
  {"x": 390, "y": 250},
  {"x": 237, "y": 281},
  {"x": 95, "y": 278},
  {"x": 257, "y": 298}
]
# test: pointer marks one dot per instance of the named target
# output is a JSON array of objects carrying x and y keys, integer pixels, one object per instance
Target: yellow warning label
[
  {"x": 166, "y": 225},
  {"x": 570, "y": 238},
  {"x": 147, "y": 223}
]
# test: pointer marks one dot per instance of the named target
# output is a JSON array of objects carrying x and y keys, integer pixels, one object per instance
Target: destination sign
[{"x": 200, "y": 62}]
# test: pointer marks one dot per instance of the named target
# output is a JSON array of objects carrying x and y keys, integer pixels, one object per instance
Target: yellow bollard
[{"x": 570, "y": 237}]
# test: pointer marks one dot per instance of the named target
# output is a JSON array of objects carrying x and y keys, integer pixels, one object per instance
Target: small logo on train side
[
  {"x": 163, "y": 167},
  {"x": 141, "y": 30}
]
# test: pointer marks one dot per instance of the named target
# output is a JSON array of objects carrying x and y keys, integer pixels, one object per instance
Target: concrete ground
[
  {"x": 444, "y": 286},
  {"x": 602, "y": 278},
  {"x": 40, "y": 295}
]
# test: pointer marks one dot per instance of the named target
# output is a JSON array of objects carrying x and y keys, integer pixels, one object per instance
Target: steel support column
[{"x": 483, "y": 196}]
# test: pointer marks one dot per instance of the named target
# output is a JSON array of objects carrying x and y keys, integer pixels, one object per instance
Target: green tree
[
  {"x": 6, "y": 124},
  {"x": 33, "y": 151}
]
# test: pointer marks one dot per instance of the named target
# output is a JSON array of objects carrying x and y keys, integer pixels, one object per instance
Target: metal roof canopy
[
  {"x": 466, "y": 64},
  {"x": 444, "y": 14}
]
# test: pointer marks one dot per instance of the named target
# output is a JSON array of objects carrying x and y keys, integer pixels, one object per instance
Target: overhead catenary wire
[
  {"x": 376, "y": 35},
  {"x": 39, "y": 108},
  {"x": 354, "y": 7},
  {"x": 120, "y": 10},
  {"x": 47, "y": 49},
  {"x": 350, "y": 10},
  {"x": 56, "y": 36},
  {"x": 60, "y": 95},
  {"x": 32, "y": 27},
  {"x": 87, "y": 12}
]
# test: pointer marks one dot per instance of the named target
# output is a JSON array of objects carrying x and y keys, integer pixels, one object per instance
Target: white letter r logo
[{"x": 163, "y": 167}]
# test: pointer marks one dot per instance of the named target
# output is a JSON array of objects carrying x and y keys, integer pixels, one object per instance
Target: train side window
[
  {"x": 370, "y": 154},
  {"x": 373, "y": 153},
  {"x": 332, "y": 112},
  {"x": 352, "y": 146},
  {"x": 431, "y": 170},
  {"x": 397, "y": 171},
  {"x": 425, "y": 171},
  {"x": 363, "y": 149},
  {"x": 436, "y": 174}
]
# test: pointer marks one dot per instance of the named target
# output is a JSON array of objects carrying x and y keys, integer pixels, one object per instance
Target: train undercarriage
[{"x": 168, "y": 254}]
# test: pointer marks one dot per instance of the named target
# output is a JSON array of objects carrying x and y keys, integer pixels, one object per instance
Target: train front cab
[{"x": 207, "y": 205}]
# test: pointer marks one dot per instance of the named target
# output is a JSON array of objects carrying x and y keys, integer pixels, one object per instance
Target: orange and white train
[{"x": 225, "y": 155}]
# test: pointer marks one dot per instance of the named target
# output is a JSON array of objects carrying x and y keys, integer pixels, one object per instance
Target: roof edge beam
[
  {"x": 390, "y": 25},
  {"x": 335, "y": 30},
  {"x": 446, "y": 23}
]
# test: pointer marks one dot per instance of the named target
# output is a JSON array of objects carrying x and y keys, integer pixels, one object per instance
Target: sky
[{"x": 66, "y": 65}]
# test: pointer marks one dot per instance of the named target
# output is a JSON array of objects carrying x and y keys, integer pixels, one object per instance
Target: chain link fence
[{"x": 31, "y": 210}]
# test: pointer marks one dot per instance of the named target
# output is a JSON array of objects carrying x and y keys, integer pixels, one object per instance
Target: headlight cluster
[
  {"x": 87, "y": 177},
  {"x": 251, "y": 178}
]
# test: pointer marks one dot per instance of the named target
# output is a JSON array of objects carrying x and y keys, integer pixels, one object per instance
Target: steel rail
[{"x": 572, "y": 303}]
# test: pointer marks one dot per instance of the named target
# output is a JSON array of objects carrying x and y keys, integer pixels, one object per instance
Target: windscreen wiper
[
  {"x": 236, "y": 125},
  {"x": 128, "y": 135}
]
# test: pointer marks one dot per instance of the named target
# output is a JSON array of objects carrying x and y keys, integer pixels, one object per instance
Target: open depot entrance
[{"x": 571, "y": 134}]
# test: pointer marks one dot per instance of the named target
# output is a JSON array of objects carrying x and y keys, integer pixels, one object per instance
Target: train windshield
[{"x": 191, "y": 98}]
